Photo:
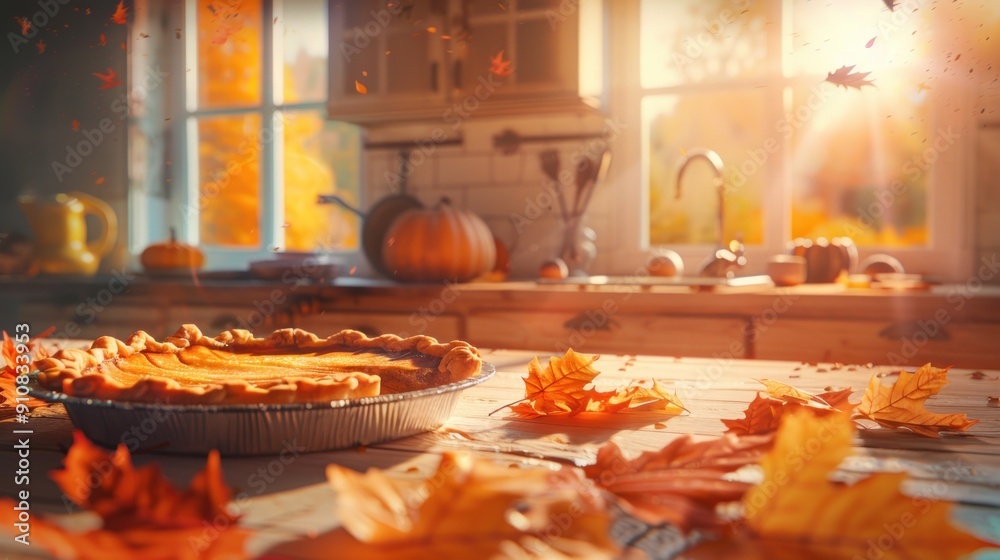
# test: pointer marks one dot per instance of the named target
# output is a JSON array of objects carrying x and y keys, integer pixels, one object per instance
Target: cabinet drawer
[
  {"x": 441, "y": 327},
  {"x": 968, "y": 345},
  {"x": 89, "y": 322},
  {"x": 595, "y": 332}
]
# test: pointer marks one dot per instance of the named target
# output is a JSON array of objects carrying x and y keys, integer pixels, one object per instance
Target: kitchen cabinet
[
  {"x": 911, "y": 343},
  {"x": 595, "y": 331},
  {"x": 430, "y": 60},
  {"x": 441, "y": 327}
]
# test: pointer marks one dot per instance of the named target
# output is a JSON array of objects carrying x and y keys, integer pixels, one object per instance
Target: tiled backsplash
[{"x": 501, "y": 188}]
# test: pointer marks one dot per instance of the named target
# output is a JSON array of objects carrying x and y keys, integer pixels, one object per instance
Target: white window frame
[
  {"x": 181, "y": 211},
  {"x": 949, "y": 254}
]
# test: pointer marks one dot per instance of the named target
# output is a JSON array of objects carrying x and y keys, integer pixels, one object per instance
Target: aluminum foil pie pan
[{"x": 264, "y": 429}]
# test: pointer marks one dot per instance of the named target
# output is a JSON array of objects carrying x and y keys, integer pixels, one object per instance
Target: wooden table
[{"x": 293, "y": 500}]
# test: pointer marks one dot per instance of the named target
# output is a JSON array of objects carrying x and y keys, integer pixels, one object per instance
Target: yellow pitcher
[{"x": 61, "y": 245}]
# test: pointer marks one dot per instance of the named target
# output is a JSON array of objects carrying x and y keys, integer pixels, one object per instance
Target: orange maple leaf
[
  {"x": 846, "y": 77},
  {"x": 144, "y": 515},
  {"x": 901, "y": 405},
  {"x": 108, "y": 80},
  {"x": 469, "y": 508},
  {"x": 681, "y": 483},
  {"x": 564, "y": 388},
  {"x": 500, "y": 67},
  {"x": 121, "y": 14},
  {"x": 764, "y": 413},
  {"x": 798, "y": 512}
]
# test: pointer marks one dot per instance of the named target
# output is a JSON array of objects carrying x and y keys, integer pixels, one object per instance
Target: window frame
[
  {"x": 948, "y": 255},
  {"x": 150, "y": 215}
]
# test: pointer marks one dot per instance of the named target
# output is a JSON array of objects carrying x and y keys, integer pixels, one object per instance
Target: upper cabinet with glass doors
[{"x": 421, "y": 60}]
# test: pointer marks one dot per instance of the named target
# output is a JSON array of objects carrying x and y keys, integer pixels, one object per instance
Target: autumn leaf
[
  {"x": 40, "y": 45},
  {"x": 360, "y": 88},
  {"x": 901, "y": 405},
  {"x": 75, "y": 125},
  {"x": 469, "y": 508},
  {"x": 8, "y": 373},
  {"x": 681, "y": 483},
  {"x": 144, "y": 515},
  {"x": 764, "y": 413},
  {"x": 798, "y": 512},
  {"x": 846, "y": 77},
  {"x": 121, "y": 14},
  {"x": 25, "y": 24},
  {"x": 563, "y": 388},
  {"x": 500, "y": 67},
  {"x": 108, "y": 80},
  {"x": 102, "y": 40}
]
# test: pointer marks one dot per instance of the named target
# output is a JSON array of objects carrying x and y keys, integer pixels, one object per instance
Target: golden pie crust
[{"x": 287, "y": 366}]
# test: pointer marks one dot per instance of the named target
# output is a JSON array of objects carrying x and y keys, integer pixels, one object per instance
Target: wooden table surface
[{"x": 294, "y": 500}]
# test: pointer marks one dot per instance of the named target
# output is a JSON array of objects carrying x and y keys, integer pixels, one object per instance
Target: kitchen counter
[
  {"x": 947, "y": 325},
  {"x": 297, "y": 501}
]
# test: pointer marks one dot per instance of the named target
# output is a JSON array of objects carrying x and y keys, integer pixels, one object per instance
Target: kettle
[{"x": 61, "y": 245}]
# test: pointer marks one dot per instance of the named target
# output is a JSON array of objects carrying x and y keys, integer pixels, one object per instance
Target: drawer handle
[{"x": 908, "y": 330}]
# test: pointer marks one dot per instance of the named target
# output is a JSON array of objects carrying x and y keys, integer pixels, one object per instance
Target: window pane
[
  {"x": 321, "y": 157},
  {"x": 229, "y": 179},
  {"x": 730, "y": 123},
  {"x": 862, "y": 162},
  {"x": 301, "y": 41},
  {"x": 229, "y": 52},
  {"x": 709, "y": 40}
]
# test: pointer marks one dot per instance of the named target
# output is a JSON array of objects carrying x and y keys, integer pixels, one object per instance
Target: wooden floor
[{"x": 297, "y": 501}]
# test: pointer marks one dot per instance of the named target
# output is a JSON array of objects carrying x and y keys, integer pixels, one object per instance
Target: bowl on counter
[{"x": 787, "y": 270}]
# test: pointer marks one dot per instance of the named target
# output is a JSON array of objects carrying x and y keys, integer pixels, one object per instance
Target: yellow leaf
[
  {"x": 787, "y": 393},
  {"x": 470, "y": 508},
  {"x": 901, "y": 405}
]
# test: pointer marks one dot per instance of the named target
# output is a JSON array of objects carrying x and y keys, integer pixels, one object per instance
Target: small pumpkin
[
  {"x": 826, "y": 260},
  {"x": 439, "y": 243},
  {"x": 171, "y": 256}
]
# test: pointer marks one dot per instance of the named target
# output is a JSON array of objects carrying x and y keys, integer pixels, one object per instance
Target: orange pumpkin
[
  {"x": 171, "y": 255},
  {"x": 439, "y": 243}
]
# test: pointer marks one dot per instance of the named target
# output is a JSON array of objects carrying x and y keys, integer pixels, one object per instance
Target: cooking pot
[{"x": 380, "y": 217}]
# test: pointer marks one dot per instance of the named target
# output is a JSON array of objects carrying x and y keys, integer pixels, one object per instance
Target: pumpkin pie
[{"x": 287, "y": 366}]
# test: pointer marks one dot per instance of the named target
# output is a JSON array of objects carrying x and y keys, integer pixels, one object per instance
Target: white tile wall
[{"x": 496, "y": 186}]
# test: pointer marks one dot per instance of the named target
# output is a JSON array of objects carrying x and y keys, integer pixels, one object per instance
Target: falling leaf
[
  {"x": 500, "y": 67},
  {"x": 75, "y": 125},
  {"x": 353, "y": 270},
  {"x": 102, "y": 40},
  {"x": 144, "y": 35},
  {"x": 922, "y": 86},
  {"x": 226, "y": 20},
  {"x": 798, "y": 512},
  {"x": 901, "y": 404},
  {"x": 360, "y": 88},
  {"x": 108, "y": 80},
  {"x": 24, "y": 23},
  {"x": 870, "y": 42},
  {"x": 99, "y": 181},
  {"x": 41, "y": 46},
  {"x": 848, "y": 79},
  {"x": 469, "y": 508},
  {"x": 891, "y": 4},
  {"x": 144, "y": 516},
  {"x": 681, "y": 483},
  {"x": 121, "y": 14}
]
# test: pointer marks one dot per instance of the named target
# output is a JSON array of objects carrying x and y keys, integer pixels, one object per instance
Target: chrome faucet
[{"x": 722, "y": 263}]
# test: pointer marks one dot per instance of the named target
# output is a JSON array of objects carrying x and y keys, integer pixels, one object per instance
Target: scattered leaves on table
[
  {"x": 681, "y": 483},
  {"x": 564, "y": 387},
  {"x": 469, "y": 508},
  {"x": 8, "y": 374},
  {"x": 764, "y": 413},
  {"x": 846, "y": 77},
  {"x": 901, "y": 404},
  {"x": 144, "y": 515},
  {"x": 798, "y": 512}
]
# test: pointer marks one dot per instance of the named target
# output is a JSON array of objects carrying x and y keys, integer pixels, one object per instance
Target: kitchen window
[
  {"x": 803, "y": 158},
  {"x": 239, "y": 130}
]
